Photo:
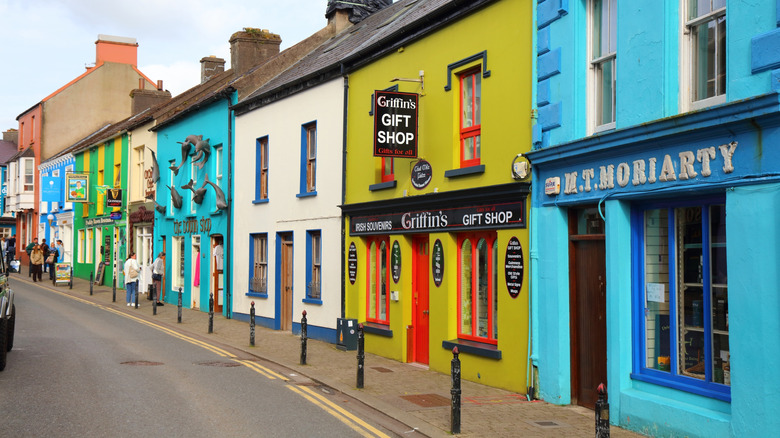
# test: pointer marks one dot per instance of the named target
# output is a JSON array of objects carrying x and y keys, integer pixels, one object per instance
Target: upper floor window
[
  {"x": 477, "y": 283},
  {"x": 218, "y": 165},
  {"x": 470, "y": 118},
  {"x": 28, "y": 175},
  {"x": 258, "y": 281},
  {"x": 603, "y": 28},
  {"x": 138, "y": 176},
  {"x": 101, "y": 194},
  {"x": 193, "y": 184},
  {"x": 261, "y": 172},
  {"x": 69, "y": 169},
  {"x": 309, "y": 152},
  {"x": 388, "y": 169},
  {"x": 704, "y": 29},
  {"x": 117, "y": 175}
]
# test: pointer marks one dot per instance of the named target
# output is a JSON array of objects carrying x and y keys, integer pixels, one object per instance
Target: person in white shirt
[
  {"x": 132, "y": 270},
  {"x": 218, "y": 255},
  {"x": 158, "y": 270}
]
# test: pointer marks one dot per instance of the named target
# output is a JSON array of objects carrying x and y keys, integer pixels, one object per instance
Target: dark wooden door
[
  {"x": 285, "y": 317},
  {"x": 589, "y": 319}
]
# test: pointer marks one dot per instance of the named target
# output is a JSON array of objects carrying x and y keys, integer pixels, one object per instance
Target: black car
[{"x": 7, "y": 314}]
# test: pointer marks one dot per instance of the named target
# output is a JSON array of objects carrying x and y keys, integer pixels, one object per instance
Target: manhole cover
[
  {"x": 143, "y": 363},
  {"x": 382, "y": 369},
  {"x": 427, "y": 400},
  {"x": 548, "y": 424},
  {"x": 219, "y": 364}
]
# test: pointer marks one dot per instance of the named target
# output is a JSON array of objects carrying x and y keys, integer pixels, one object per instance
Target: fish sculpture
[
  {"x": 176, "y": 198},
  {"x": 155, "y": 168},
  {"x": 198, "y": 193},
  {"x": 202, "y": 150},
  {"x": 160, "y": 208},
  {"x": 186, "y": 146},
  {"x": 221, "y": 201}
]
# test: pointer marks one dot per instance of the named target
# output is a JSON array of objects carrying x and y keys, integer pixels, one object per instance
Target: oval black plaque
[
  {"x": 437, "y": 263},
  {"x": 352, "y": 263},
  {"x": 421, "y": 174},
  {"x": 513, "y": 267},
  {"x": 395, "y": 261}
]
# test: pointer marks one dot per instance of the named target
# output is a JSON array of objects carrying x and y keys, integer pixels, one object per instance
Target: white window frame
[
  {"x": 218, "y": 165},
  {"x": 177, "y": 260},
  {"x": 137, "y": 181},
  {"x": 68, "y": 169},
  {"x": 686, "y": 61},
  {"x": 593, "y": 78},
  {"x": 24, "y": 174},
  {"x": 194, "y": 177}
]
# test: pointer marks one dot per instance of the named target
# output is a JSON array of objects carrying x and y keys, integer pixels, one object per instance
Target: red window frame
[
  {"x": 375, "y": 254},
  {"x": 388, "y": 169},
  {"x": 474, "y": 238},
  {"x": 475, "y": 130}
]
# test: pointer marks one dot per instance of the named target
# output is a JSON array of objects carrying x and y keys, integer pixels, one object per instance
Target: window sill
[
  {"x": 472, "y": 347},
  {"x": 464, "y": 171},
  {"x": 681, "y": 386},
  {"x": 260, "y": 201},
  {"x": 257, "y": 294},
  {"x": 382, "y": 186},
  {"x": 377, "y": 329},
  {"x": 306, "y": 195},
  {"x": 312, "y": 301}
]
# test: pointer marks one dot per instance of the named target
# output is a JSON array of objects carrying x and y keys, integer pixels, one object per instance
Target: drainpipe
[
  {"x": 344, "y": 193},
  {"x": 228, "y": 240}
]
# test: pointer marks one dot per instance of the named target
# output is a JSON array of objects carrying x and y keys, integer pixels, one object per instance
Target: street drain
[
  {"x": 427, "y": 400},
  {"x": 142, "y": 363},
  {"x": 547, "y": 424},
  {"x": 382, "y": 369},
  {"x": 219, "y": 364}
]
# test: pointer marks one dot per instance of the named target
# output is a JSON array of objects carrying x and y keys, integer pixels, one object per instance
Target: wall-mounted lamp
[
  {"x": 421, "y": 81},
  {"x": 50, "y": 218}
]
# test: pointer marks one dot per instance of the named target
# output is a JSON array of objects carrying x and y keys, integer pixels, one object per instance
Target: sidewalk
[{"x": 411, "y": 394}]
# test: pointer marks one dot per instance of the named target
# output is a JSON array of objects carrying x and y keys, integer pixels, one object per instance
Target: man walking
[
  {"x": 29, "y": 249},
  {"x": 158, "y": 270}
]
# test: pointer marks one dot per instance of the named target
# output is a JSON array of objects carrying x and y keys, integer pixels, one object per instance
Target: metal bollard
[
  {"x": 211, "y": 313},
  {"x": 179, "y": 304},
  {"x": 113, "y": 290},
  {"x": 91, "y": 277},
  {"x": 153, "y": 294},
  {"x": 136, "y": 294},
  {"x": 252, "y": 324},
  {"x": 361, "y": 355},
  {"x": 602, "y": 412},
  {"x": 455, "y": 391},
  {"x": 304, "y": 329},
  {"x": 70, "y": 286}
]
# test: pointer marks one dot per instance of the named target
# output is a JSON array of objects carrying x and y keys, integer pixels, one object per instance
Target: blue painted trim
[
  {"x": 312, "y": 301},
  {"x": 319, "y": 333},
  {"x": 278, "y": 270},
  {"x": 457, "y": 64},
  {"x": 261, "y": 321},
  {"x": 543, "y": 41},
  {"x": 765, "y": 51},
  {"x": 471, "y": 347},
  {"x": 310, "y": 266},
  {"x": 260, "y": 201},
  {"x": 306, "y": 194},
  {"x": 777, "y": 13},
  {"x": 550, "y": 10},
  {"x": 464, "y": 171},
  {"x": 543, "y": 93},
  {"x": 382, "y": 186},
  {"x": 548, "y": 64},
  {"x": 259, "y": 165},
  {"x": 536, "y": 136},
  {"x": 550, "y": 116},
  {"x": 257, "y": 295},
  {"x": 304, "y": 157},
  {"x": 775, "y": 80},
  {"x": 377, "y": 329}
]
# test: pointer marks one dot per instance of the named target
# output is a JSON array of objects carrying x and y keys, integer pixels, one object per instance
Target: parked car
[{"x": 7, "y": 315}]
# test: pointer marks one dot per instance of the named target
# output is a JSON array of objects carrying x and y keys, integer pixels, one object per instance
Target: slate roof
[{"x": 7, "y": 150}]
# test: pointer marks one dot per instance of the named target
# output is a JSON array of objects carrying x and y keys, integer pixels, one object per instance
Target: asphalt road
[{"x": 80, "y": 369}]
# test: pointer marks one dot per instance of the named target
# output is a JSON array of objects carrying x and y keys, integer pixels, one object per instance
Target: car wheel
[
  {"x": 3, "y": 338},
  {"x": 10, "y": 329}
]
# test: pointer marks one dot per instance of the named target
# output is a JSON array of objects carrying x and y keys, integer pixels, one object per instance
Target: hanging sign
[
  {"x": 352, "y": 260},
  {"x": 115, "y": 215},
  {"x": 395, "y": 261},
  {"x": 437, "y": 263},
  {"x": 513, "y": 267},
  {"x": 421, "y": 174},
  {"x": 395, "y": 124},
  {"x": 76, "y": 187},
  {"x": 114, "y": 198}
]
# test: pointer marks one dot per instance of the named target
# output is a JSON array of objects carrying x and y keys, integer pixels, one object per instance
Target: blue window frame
[
  {"x": 680, "y": 297},
  {"x": 261, "y": 170},
  {"x": 258, "y": 265},
  {"x": 308, "y": 160},
  {"x": 313, "y": 267}
]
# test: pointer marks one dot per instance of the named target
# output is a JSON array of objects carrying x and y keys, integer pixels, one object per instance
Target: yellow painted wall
[{"x": 504, "y": 31}]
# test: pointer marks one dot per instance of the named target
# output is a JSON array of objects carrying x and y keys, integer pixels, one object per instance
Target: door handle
[{"x": 425, "y": 312}]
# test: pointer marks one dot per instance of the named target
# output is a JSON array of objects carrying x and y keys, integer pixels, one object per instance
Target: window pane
[
  {"x": 372, "y": 254},
  {"x": 709, "y": 58},
  {"x": 465, "y": 287},
  {"x": 719, "y": 296},
  {"x": 493, "y": 292},
  {"x": 482, "y": 289},
  {"x": 477, "y": 99},
  {"x": 690, "y": 301},
  {"x": 605, "y": 104},
  {"x": 468, "y": 94},
  {"x": 383, "y": 281},
  {"x": 657, "y": 335}
]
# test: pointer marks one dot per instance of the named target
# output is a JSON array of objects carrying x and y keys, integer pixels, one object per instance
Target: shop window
[
  {"x": 477, "y": 282},
  {"x": 314, "y": 265},
  {"x": 88, "y": 248},
  {"x": 704, "y": 52},
  {"x": 470, "y": 118},
  {"x": 177, "y": 257},
  {"x": 682, "y": 298},
  {"x": 261, "y": 169},
  {"x": 308, "y": 159},
  {"x": 378, "y": 296},
  {"x": 603, "y": 36},
  {"x": 258, "y": 281}
]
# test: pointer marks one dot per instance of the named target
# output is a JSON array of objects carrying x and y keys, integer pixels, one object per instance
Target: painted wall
[{"x": 284, "y": 211}]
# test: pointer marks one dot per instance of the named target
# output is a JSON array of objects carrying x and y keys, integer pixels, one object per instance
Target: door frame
[
  {"x": 216, "y": 273},
  {"x": 418, "y": 351},
  {"x": 285, "y": 290}
]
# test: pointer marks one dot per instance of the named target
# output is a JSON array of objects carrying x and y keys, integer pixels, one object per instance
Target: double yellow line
[{"x": 355, "y": 423}]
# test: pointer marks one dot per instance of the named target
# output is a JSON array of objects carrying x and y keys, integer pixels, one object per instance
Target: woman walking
[
  {"x": 36, "y": 262},
  {"x": 131, "y": 278}
]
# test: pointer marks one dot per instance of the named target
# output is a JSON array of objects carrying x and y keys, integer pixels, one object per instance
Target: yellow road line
[
  {"x": 262, "y": 370},
  {"x": 328, "y": 407}
]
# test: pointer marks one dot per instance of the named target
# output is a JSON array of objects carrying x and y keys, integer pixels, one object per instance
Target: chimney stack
[
  {"x": 143, "y": 99},
  {"x": 210, "y": 66},
  {"x": 12, "y": 135},
  {"x": 356, "y": 9},
  {"x": 117, "y": 49},
  {"x": 252, "y": 47}
]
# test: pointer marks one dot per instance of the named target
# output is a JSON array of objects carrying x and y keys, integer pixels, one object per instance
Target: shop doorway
[
  {"x": 285, "y": 280},
  {"x": 588, "y": 305},
  {"x": 217, "y": 266},
  {"x": 418, "y": 336}
]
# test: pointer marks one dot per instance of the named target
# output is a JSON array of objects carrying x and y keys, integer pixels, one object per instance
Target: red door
[{"x": 420, "y": 313}]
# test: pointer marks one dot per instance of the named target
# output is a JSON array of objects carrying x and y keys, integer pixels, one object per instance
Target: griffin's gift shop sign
[{"x": 395, "y": 124}]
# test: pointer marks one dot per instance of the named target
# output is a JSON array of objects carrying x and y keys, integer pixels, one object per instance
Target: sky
[{"x": 44, "y": 44}]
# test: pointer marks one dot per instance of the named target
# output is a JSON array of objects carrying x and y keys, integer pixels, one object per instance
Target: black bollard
[
  {"x": 70, "y": 286},
  {"x": 252, "y": 324},
  {"x": 91, "y": 277},
  {"x": 455, "y": 391},
  {"x": 153, "y": 294},
  {"x": 361, "y": 355},
  {"x": 180, "y": 304},
  {"x": 304, "y": 329},
  {"x": 113, "y": 291},
  {"x": 211, "y": 313},
  {"x": 136, "y": 294},
  {"x": 602, "y": 412}
]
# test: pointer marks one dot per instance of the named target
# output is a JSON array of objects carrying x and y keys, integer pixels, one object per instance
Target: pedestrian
[
  {"x": 60, "y": 252},
  {"x": 10, "y": 250},
  {"x": 46, "y": 250},
  {"x": 158, "y": 270},
  {"x": 54, "y": 257},
  {"x": 36, "y": 262},
  {"x": 131, "y": 279},
  {"x": 29, "y": 249}
]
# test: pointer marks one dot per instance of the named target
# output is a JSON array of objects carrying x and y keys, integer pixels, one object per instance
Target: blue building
[
  {"x": 8, "y": 148},
  {"x": 655, "y": 208},
  {"x": 56, "y": 215}
]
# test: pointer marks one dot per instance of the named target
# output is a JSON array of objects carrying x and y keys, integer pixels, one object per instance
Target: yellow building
[{"x": 436, "y": 249}]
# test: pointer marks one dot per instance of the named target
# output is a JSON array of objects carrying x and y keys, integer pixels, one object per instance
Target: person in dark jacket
[
  {"x": 46, "y": 250},
  {"x": 29, "y": 249}
]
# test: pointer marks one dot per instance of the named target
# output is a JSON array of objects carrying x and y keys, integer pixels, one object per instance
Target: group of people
[
  {"x": 132, "y": 271},
  {"x": 43, "y": 258}
]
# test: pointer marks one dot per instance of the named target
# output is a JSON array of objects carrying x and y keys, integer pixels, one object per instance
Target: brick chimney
[
  {"x": 251, "y": 47},
  {"x": 210, "y": 66},
  {"x": 142, "y": 99},
  {"x": 12, "y": 135},
  {"x": 117, "y": 49},
  {"x": 356, "y": 11}
]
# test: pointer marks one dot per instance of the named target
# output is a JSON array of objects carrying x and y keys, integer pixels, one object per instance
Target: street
[{"x": 84, "y": 369}]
